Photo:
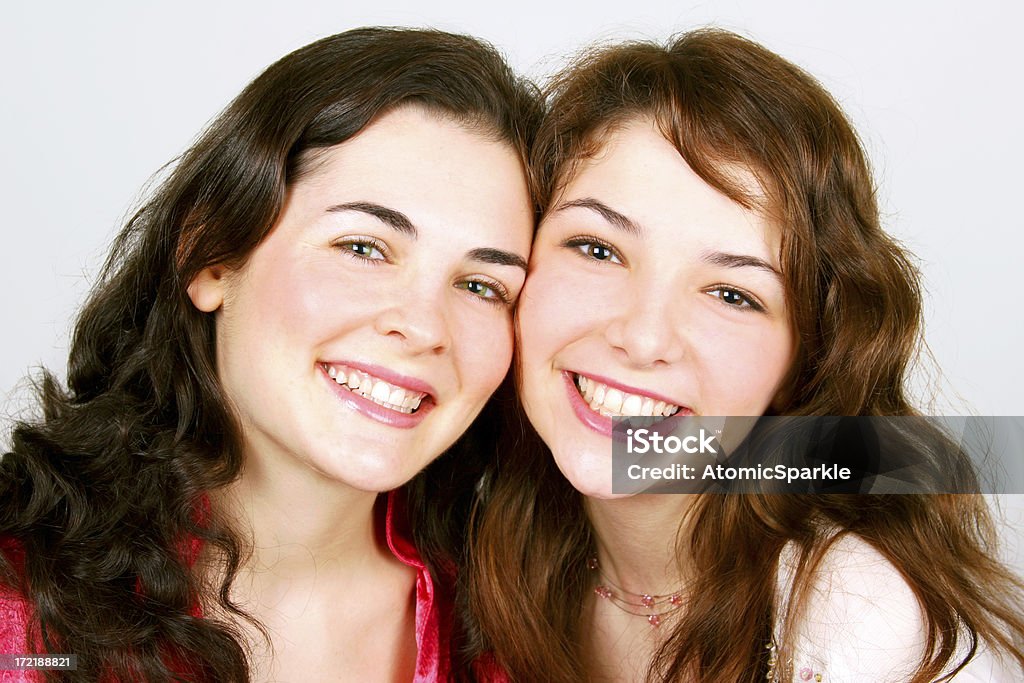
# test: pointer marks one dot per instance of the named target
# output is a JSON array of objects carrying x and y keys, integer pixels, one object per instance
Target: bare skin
[
  {"x": 636, "y": 549},
  {"x": 318, "y": 570}
]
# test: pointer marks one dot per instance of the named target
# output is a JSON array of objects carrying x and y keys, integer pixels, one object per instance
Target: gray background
[{"x": 97, "y": 96}]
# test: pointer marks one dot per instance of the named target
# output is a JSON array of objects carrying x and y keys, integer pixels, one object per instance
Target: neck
[
  {"x": 636, "y": 540},
  {"x": 300, "y": 522}
]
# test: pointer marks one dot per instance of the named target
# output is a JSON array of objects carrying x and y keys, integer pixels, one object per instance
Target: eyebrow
[
  {"x": 400, "y": 222},
  {"x": 721, "y": 258},
  {"x": 395, "y": 219},
  {"x": 716, "y": 258},
  {"x": 497, "y": 256},
  {"x": 608, "y": 213}
]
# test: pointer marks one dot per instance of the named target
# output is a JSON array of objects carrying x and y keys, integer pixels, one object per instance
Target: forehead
[
  {"x": 639, "y": 173},
  {"x": 435, "y": 170}
]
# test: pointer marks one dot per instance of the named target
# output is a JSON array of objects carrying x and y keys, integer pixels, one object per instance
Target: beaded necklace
[{"x": 651, "y": 607}]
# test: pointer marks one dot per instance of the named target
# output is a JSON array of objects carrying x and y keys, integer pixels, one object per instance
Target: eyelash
[
  {"x": 577, "y": 243},
  {"x": 501, "y": 296},
  {"x": 750, "y": 301},
  {"x": 346, "y": 245}
]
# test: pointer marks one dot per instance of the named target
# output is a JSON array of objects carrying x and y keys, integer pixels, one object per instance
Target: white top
[{"x": 863, "y": 622}]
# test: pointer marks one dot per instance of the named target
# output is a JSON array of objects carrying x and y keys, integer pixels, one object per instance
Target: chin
[
  {"x": 590, "y": 474},
  {"x": 375, "y": 482},
  {"x": 373, "y": 473}
]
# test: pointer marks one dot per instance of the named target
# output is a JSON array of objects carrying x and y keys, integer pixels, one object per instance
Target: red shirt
[{"x": 433, "y": 615}]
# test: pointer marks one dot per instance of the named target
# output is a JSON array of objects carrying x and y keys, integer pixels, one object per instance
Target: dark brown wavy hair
[
  {"x": 100, "y": 495},
  {"x": 726, "y": 102}
]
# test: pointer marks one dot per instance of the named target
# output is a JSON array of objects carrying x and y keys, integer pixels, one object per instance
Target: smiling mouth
[
  {"x": 612, "y": 402},
  {"x": 374, "y": 389}
]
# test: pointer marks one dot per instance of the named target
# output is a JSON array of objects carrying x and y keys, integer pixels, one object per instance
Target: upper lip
[
  {"x": 630, "y": 389},
  {"x": 389, "y": 376}
]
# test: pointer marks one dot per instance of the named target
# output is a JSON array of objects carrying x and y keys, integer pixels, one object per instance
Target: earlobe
[{"x": 207, "y": 289}]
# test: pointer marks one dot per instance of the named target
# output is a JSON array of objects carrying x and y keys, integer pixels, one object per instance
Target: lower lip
[{"x": 375, "y": 411}]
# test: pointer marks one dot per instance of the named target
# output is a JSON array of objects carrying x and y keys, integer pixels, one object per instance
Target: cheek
[
  {"x": 744, "y": 371},
  {"x": 484, "y": 352},
  {"x": 555, "y": 310},
  {"x": 317, "y": 298}
]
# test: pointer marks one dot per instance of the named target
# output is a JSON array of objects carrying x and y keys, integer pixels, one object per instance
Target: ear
[{"x": 207, "y": 288}]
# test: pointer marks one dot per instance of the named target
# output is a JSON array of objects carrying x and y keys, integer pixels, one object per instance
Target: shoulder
[
  {"x": 860, "y": 619},
  {"x": 15, "y": 611},
  {"x": 15, "y": 615}
]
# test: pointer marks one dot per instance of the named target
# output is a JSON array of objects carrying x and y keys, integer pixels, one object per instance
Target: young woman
[
  {"x": 710, "y": 245},
  {"x": 313, "y": 306}
]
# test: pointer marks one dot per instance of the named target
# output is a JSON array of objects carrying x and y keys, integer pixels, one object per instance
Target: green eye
[
  {"x": 480, "y": 289},
  {"x": 485, "y": 290},
  {"x": 364, "y": 250}
]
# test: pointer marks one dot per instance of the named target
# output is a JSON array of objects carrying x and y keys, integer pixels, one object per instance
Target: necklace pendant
[
  {"x": 675, "y": 600},
  {"x": 604, "y": 591},
  {"x": 646, "y": 600},
  {"x": 654, "y": 620}
]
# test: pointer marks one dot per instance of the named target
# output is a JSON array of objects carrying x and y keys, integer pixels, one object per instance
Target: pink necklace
[{"x": 647, "y": 605}]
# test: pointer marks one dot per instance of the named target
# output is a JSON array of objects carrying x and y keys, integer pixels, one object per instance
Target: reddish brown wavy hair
[{"x": 725, "y": 101}]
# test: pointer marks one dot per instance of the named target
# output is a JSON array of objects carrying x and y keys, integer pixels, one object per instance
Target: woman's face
[
  {"x": 650, "y": 293},
  {"x": 366, "y": 332}
]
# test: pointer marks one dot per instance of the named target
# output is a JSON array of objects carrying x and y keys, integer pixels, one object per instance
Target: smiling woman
[
  {"x": 371, "y": 286},
  {"x": 710, "y": 246},
  {"x": 314, "y": 306},
  {"x": 662, "y": 273}
]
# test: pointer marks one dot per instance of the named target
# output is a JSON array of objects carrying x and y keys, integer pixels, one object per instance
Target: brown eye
[
  {"x": 735, "y": 298},
  {"x": 593, "y": 250}
]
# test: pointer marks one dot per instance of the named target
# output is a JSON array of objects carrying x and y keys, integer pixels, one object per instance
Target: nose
[
  {"x": 418, "y": 319},
  {"x": 647, "y": 331}
]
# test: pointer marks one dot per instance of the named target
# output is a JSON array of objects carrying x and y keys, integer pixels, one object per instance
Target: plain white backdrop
[{"x": 97, "y": 96}]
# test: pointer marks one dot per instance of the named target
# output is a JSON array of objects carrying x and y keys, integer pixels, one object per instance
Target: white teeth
[
  {"x": 396, "y": 397},
  {"x": 615, "y": 403},
  {"x": 613, "y": 400},
  {"x": 377, "y": 390},
  {"x": 381, "y": 391},
  {"x": 589, "y": 395}
]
